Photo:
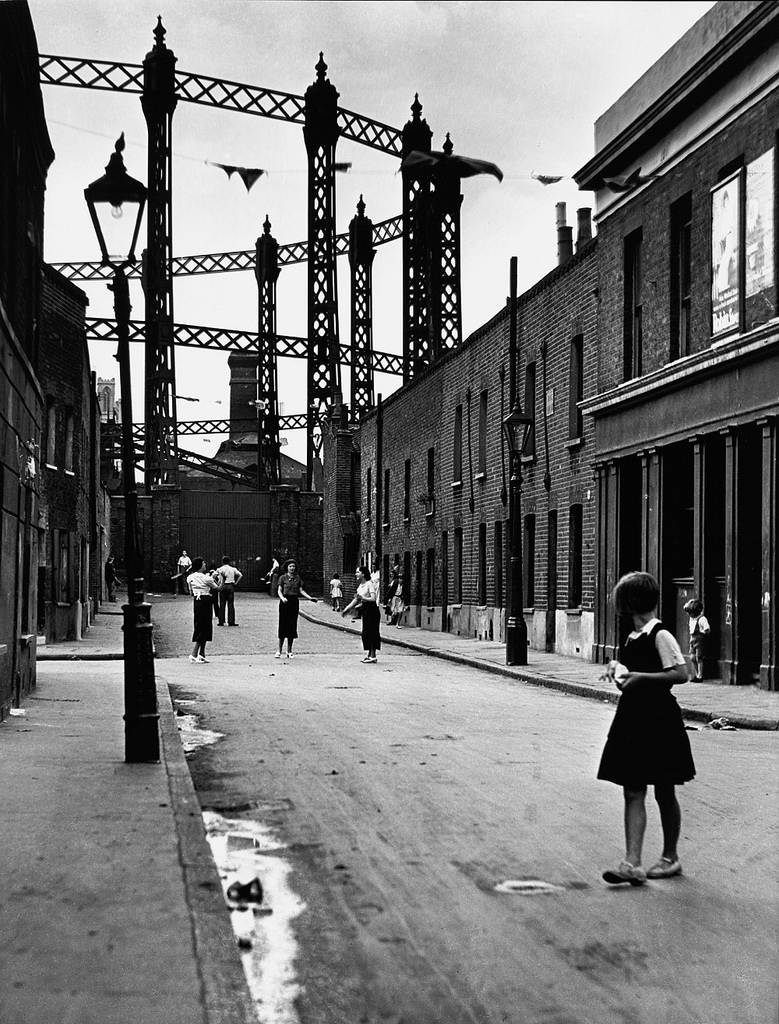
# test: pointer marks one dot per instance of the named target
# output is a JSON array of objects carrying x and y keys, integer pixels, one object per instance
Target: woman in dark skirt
[
  {"x": 367, "y": 597},
  {"x": 201, "y": 584},
  {"x": 290, "y": 590},
  {"x": 647, "y": 744}
]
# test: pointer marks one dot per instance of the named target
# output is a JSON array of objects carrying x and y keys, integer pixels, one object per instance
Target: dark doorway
[
  {"x": 419, "y": 590},
  {"x": 551, "y": 581},
  {"x": 748, "y": 556},
  {"x": 630, "y": 523},
  {"x": 445, "y": 582}
]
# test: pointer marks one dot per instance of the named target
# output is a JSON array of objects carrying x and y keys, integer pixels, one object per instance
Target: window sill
[
  {"x": 367, "y": 520},
  {"x": 456, "y": 484},
  {"x": 385, "y": 526},
  {"x": 575, "y": 442},
  {"x": 429, "y": 515},
  {"x": 574, "y": 613},
  {"x": 69, "y": 472},
  {"x": 407, "y": 520},
  {"x": 481, "y": 476},
  {"x": 49, "y": 466}
]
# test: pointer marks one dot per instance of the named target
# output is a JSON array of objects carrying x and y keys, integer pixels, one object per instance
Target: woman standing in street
[
  {"x": 367, "y": 599},
  {"x": 201, "y": 584},
  {"x": 290, "y": 590},
  {"x": 396, "y": 604}
]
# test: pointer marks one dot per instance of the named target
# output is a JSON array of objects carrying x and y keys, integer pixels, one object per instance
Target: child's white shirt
[
  {"x": 700, "y": 624},
  {"x": 665, "y": 642}
]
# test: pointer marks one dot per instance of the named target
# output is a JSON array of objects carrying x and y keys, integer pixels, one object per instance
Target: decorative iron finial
[
  {"x": 360, "y": 207},
  {"x": 115, "y": 165},
  {"x": 416, "y": 107},
  {"x": 321, "y": 67},
  {"x": 159, "y": 33},
  {"x": 448, "y": 145},
  {"x": 266, "y": 225}
]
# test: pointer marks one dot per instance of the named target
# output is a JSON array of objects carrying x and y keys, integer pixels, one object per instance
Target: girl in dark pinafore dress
[{"x": 647, "y": 744}]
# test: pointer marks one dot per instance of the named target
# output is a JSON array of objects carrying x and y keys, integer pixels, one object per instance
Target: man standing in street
[
  {"x": 183, "y": 568},
  {"x": 231, "y": 576},
  {"x": 110, "y": 578}
]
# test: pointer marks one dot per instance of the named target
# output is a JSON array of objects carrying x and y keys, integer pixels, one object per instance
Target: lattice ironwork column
[
  {"x": 267, "y": 273},
  {"x": 361, "y": 254},
  {"x": 445, "y": 293},
  {"x": 417, "y": 136},
  {"x": 324, "y": 369},
  {"x": 159, "y": 102}
]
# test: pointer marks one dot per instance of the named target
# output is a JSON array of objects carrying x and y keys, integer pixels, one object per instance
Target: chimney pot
[
  {"x": 564, "y": 236},
  {"x": 584, "y": 226}
]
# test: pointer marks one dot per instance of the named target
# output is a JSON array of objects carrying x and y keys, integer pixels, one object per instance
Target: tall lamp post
[
  {"x": 125, "y": 198},
  {"x": 516, "y": 427}
]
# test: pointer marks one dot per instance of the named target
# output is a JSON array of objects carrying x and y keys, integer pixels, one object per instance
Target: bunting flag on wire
[
  {"x": 547, "y": 179},
  {"x": 463, "y": 166},
  {"x": 627, "y": 182},
  {"x": 248, "y": 175},
  {"x": 343, "y": 168}
]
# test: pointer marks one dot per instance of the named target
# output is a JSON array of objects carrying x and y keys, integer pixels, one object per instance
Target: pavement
[{"x": 111, "y": 910}]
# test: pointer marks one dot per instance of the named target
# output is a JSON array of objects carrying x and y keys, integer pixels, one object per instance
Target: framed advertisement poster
[
  {"x": 759, "y": 270},
  {"x": 725, "y": 256}
]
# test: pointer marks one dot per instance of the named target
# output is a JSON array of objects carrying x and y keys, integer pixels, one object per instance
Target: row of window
[
  {"x": 743, "y": 287},
  {"x": 576, "y": 394},
  {"x": 424, "y": 590}
]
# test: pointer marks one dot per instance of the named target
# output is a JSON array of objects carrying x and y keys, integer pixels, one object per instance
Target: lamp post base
[
  {"x": 141, "y": 730},
  {"x": 516, "y": 641}
]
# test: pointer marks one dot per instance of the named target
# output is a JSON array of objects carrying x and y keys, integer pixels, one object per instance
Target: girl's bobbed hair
[{"x": 636, "y": 594}]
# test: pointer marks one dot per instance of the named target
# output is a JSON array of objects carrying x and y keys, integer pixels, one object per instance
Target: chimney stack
[
  {"x": 564, "y": 237},
  {"x": 584, "y": 226}
]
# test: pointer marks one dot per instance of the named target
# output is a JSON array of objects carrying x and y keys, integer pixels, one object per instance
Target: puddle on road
[
  {"x": 193, "y": 737},
  {"x": 242, "y": 851}
]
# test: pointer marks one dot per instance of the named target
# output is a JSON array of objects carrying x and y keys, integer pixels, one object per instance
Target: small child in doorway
[
  {"x": 699, "y": 630},
  {"x": 647, "y": 743},
  {"x": 336, "y": 592}
]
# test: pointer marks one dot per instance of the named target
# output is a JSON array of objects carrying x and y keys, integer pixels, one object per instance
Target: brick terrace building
[
  {"x": 433, "y": 469},
  {"x": 25, "y": 156},
  {"x": 688, "y": 358},
  {"x": 72, "y": 545}
]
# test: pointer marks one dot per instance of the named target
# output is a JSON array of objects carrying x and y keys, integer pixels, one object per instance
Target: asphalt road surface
[{"x": 443, "y": 835}]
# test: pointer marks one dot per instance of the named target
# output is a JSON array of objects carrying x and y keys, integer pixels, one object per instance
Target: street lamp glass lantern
[
  {"x": 517, "y": 427},
  {"x": 116, "y": 203}
]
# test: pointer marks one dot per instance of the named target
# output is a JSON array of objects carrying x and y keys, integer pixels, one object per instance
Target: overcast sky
[{"x": 517, "y": 83}]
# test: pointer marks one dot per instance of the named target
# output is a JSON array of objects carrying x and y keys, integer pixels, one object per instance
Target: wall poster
[
  {"x": 725, "y": 263},
  {"x": 759, "y": 271}
]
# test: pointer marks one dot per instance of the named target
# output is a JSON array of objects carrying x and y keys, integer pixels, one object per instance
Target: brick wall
[
  {"x": 421, "y": 416},
  {"x": 748, "y": 137},
  {"x": 68, "y": 460}
]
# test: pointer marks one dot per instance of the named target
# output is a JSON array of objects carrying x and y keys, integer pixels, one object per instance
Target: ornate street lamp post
[
  {"x": 126, "y": 199},
  {"x": 516, "y": 427}
]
